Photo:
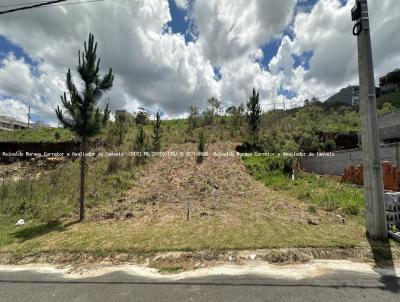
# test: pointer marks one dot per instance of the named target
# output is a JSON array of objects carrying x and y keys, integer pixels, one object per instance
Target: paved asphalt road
[{"x": 119, "y": 286}]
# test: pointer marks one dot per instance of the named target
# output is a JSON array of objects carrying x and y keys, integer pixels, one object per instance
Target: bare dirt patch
[
  {"x": 173, "y": 262},
  {"x": 219, "y": 188}
]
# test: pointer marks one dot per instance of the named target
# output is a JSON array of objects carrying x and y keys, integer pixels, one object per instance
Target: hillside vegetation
[
  {"x": 37, "y": 135},
  {"x": 139, "y": 203}
]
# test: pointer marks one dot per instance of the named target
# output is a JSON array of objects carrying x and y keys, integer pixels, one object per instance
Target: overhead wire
[
  {"x": 42, "y": 4},
  {"x": 21, "y": 4}
]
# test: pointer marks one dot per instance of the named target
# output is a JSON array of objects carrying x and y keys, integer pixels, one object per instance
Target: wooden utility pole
[{"x": 375, "y": 216}]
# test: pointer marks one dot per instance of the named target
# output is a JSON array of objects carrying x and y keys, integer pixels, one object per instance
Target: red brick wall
[{"x": 391, "y": 176}]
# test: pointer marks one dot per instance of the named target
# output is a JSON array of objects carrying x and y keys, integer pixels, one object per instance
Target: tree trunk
[{"x": 82, "y": 192}]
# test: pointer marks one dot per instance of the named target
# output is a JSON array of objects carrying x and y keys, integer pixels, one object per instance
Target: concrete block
[
  {"x": 392, "y": 198},
  {"x": 395, "y": 236},
  {"x": 392, "y": 207},
  {"x": 390, "y": 225},
  {"x": 393, "y": 217}
]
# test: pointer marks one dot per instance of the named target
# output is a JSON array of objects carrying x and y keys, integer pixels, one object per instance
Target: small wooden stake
[{"x": 188, "y": 210}]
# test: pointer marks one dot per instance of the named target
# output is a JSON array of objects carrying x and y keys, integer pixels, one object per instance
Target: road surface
[{"x": 31, "y": 285}]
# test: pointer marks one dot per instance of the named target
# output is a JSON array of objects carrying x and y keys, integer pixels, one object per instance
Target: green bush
[
  {"x": 201, "y": 147},
  {"x": 318, "y": 191},
  {"x": 53, "y": 194}
]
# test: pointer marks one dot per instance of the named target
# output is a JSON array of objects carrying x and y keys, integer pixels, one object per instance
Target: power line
[
  {"x": 21, "y": 4},
  {"x": 74, "y": 3},
  {"x": 31, "y": 6},
  {"x": 46, "y": 4}
]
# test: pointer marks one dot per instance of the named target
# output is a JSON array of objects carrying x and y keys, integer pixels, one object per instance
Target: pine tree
[
  {"x": 140, "y": 145},
  {"x": 201, "y": 147},
  {"x": 121, "y": 127},
  {"x": 254, "y": 116},
  {"x": 85, "y": 118},
  {"x": 157, "y": 133},
  {"x": 193, "y": 118}
]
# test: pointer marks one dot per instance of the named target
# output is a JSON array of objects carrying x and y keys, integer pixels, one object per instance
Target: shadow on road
[
  {"x": 383, "y": 257},
  {"x": 194, "y": 283}
]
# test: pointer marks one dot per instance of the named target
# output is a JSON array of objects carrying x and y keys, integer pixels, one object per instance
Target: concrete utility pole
[
  {"x": 375, "y": 216},
  {"x": 29, "y": 116}
]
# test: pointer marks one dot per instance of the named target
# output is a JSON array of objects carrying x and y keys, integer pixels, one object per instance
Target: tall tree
[
  {"x": 214, "y": 104},
  {"x": 157, "y": 133},
  {"x": 142, "y": 117},
  {"x": 140, "y": 145},
  {"x": 254, "y": 116},
  {"x": 121, "y": 126},
  {"x": 201, "y": 147},
  {"x": 236, "y": 114},
  {"x": 193, "y": 118},
  {"x": 85, "y": 118},
  {"x": 213, "y": 107}
]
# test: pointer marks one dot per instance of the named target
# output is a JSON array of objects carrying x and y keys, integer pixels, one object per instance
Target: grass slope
[
  {"x": 392, "y": 98},
  {"x": 36, "y": 135},
  {"x": 317, "y": 191},
  {"x": 230, "y": 211}
]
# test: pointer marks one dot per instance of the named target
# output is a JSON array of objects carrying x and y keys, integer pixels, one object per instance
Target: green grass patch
[
  {"x": 316, "y": 190},
  {"x": 392, "y": 98},
  {"x": 126, "y": 237},
  {"x": 36, "y": 135},
  {"x": 55, "y": 194}
]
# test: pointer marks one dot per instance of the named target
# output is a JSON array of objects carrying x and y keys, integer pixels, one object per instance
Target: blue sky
[{"x": 7, "y": 47}]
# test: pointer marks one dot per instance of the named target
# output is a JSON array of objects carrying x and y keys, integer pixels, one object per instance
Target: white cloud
[
  {"x": 230, "y": 29},
  {"x": 151, "y": 68},
  {"x": 157, "y": 69},
  {"x": 183, "y": 4},
  {"x": 230, "y": 34},
  {"x": 327, "y": 31},
  {"x": 283, "y": 61},
  {"x": 13, "y": 108},
  {"x": 241, "y": 76},
  {"x": 15, "y": 77}
]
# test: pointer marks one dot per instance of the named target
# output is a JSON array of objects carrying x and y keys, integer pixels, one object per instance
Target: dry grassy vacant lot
[{"x": 229, "y": 210}]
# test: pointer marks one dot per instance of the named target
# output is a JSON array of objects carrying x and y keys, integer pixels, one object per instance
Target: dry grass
[
  {"x": 230, "y": 211},
  {"x": 123, "y": 237},
  {"x": 218, "y": 189}
]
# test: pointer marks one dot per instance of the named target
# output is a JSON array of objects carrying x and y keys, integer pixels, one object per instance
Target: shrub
[
  {"x": 201, "y": 147},
  {"x": 113, "y": 165},
  {"x": 140, "y": 145}
]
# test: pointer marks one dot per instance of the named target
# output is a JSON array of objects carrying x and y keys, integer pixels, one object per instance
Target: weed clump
[{"x": 201, "y": 148}]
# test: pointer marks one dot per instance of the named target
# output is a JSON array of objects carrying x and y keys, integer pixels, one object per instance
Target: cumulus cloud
[
  {"x": 283, "y": 61},
  {"x": 325, "y": 30},
  {"x": 13, "y": 108},
  {"x": 15, "y": 77},
  {"x": 237, "y": 86},
  {"x": 158, "y": 69},
  {"x": 153, "y": 68},
  {"x": 230, "y": 29},
  {"x": 183, "y": 4}
]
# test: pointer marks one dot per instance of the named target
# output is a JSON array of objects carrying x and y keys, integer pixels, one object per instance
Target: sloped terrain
[
  {"x": 219, "y": 188},
  {"x": 230, "y": 210}
]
